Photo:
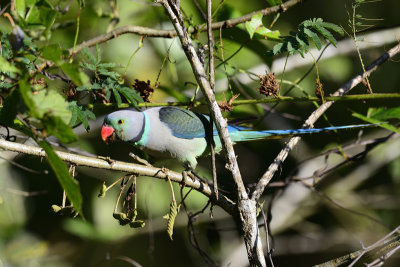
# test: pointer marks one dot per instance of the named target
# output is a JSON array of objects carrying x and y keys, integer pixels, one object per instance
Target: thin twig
[
  {"x": 211, "y": 73},
  {"x": 374, "y": 245}
]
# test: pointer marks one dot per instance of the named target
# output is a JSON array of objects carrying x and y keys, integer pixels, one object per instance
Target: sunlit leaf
[
  {"x": 6, "y": 66},
  {"x": 52, "y": 103},
  {"x": 255, "y": 26},
  {"x": 20, "y": 7}
]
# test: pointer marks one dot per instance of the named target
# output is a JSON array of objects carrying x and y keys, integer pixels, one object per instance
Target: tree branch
[
  {"x": 379, "y": 249},
  {"x": 267, "y": 176},
  {"x": 246, "y": 207},
  {"x": 150, "y": 32},
  {"x": 94, "y": 162}
]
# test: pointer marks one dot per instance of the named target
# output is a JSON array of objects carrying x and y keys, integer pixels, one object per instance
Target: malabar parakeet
[{"x": 172, "y": 132}]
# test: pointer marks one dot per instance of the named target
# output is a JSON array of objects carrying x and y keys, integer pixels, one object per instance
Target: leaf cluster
[
  {"x": 106, "y": 81},
  {"x": 299, "y": 41}
]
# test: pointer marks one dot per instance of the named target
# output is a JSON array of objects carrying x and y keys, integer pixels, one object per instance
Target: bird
[{"x": 184, "y": 135}]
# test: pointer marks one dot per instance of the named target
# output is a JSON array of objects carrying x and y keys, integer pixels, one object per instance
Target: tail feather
[{"x": 246, "y": 135}]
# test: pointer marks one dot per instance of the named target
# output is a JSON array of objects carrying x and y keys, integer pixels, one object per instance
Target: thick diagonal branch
[
  {"x": 267, "y": 176},
  {"x": 246, "y": 208}
]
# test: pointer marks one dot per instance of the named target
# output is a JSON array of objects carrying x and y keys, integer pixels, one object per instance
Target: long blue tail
[{"x": 242, "y": 134}]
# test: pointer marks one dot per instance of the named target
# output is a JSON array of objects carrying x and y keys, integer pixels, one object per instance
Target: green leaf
[
  {"x": 376, "y": 121},
  {"x": 75, "y": 74},
  {"x": 6, "y": 66},
  {"x": 274, "y": 2},
  {"x": 272, "y": 35},
  {"x": 131, "y": 95},
  {"x": 47, "y": 18},
  {"x": 325, "y": 33},
  {"x": 52, "y": 52},
  {"x": 254, "y": 24},
  {"x": 20, "y": 7},
  {"x": 26, "y": 93},
  {"x": 67, "y": 182},
  {"x": 117, "y": 96},
  {"x": 33, "y": 16},
  {"x": 83, "y": 115},
  {"x": 170, "y": 217},
  {"x": 278, "y": 48},
  {"x": 51, "y": 103},
  {"x": 57, "y": 127},
  {"x": 314, "y": 37},
  {"x": 86, "y": 52},
  {"x": 332, "y": 27},
  {"x": 383, "y": 113},
  {"x": 302, "y": 40}
]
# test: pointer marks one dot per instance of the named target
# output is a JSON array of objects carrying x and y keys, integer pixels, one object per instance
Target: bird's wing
[{"x": 184, "y": 123}]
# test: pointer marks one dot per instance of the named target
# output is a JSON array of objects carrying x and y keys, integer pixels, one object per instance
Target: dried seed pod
[
  {"x": 269, "y": 85},
  {"x": 144, "y": 88}
]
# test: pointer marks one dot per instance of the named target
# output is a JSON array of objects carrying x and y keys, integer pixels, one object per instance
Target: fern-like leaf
[
  {"x": 325, "y": 33},
  {"x": 298, "y": 42},
  {"x": 314, "y": 37},
  {"x": 170, "y": 217}
]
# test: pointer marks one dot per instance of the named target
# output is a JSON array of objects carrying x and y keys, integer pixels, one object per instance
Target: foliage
[
  {"x": 255, "y": 26},
  {"x": 274, "y": 2},
  {"x": 28, "y": 68},
  {"x": 47, "y": 90},
  {"x": 106, "y": 81},
  {"x": 299, "y": 41},
  {"x": 381, "y": 116}
]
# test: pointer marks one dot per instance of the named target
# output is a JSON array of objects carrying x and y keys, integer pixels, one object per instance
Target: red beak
[{"x": 106, "y": 132}]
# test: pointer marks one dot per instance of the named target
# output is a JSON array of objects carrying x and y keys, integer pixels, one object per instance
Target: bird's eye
[{"x": 120, "y": 122}]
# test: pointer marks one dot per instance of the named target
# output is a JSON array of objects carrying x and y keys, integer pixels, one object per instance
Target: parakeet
[{"x": 172, "y": 132}]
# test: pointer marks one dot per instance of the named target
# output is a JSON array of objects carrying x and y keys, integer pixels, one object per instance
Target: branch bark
[
  {"x": 246, "y": 206},
  {"x": 267, "y": 176},
  {"x": 95, "y": 162}
]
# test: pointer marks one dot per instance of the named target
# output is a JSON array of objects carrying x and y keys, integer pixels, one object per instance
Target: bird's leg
[{"x": 140, "y": 160}]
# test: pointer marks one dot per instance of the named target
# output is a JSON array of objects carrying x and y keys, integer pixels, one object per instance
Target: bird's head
[{"x": 122, "y": 125}]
